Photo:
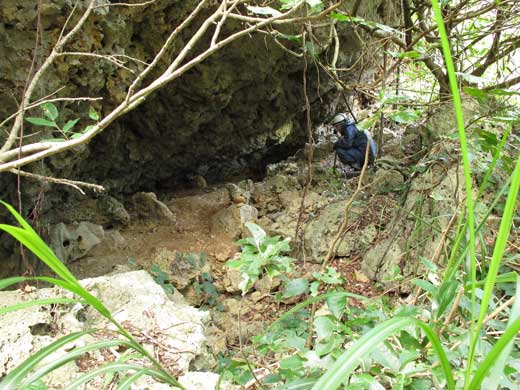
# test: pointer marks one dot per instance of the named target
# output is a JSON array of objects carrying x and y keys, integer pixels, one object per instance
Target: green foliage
[
  {"x": 208, "y": 291},
  {"x": 51, "y": 113},
  {"x": 261, "y": 255},
  {"x": 161, "y": 278}
]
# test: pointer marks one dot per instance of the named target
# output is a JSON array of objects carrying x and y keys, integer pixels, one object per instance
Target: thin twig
[
  {"x": 309, "y": 146},
  {"x": 223, "y": 20},
  {"x": 72, "y": 183},
  {"x": 125, "y": 4},
  {"x": 164, "y": 48},
  {"x": 500, "y": 309},
  {"x": 109, "y": 58},
  {"x": 32, "y": 85}
]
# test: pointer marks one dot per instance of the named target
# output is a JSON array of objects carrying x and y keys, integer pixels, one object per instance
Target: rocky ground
[{"x": 183, "y": 239}]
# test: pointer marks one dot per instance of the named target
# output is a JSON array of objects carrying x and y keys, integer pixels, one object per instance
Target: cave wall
[{"x": 224, "y": 117}]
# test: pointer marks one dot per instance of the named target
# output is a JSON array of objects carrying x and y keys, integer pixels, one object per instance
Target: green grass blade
[
  {"x": 453, "y": 265},
  {"x": 349, "y": 360},
  {"x": 502, "y": 343},
  {"x": 36, "y": 245},
  {"x": 497, "y": 370},
  {"x": 496, "y": 157},
  {"x": 508, "y": 277},
  {"x": 500, "y": 244},
  {"x": 12, "y": 380},
  {"x": 127, "y": 382},
  {"x": 38, "y": 302},
  {"x": 113, "y": 367},
  {"x": 457, "y": 103},
  {"x": 4, "y": 283},
  {"x": 72, "y": 355}
]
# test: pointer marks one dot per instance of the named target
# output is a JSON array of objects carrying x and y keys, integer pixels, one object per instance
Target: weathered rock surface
[
  {"x": 148, "y": 207},
  {"x": 75, "y": 241},
  {"x": 232, "y": 219},
  {"x": 129, "y": 296},
  {"x": 432, "y": 198}
]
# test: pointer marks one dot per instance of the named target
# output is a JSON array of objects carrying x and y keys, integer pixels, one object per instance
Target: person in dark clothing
[{"x": 352, "y": 144}]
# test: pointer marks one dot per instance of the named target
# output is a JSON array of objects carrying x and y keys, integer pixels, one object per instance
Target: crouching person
[{"x": 352, "y": 144}]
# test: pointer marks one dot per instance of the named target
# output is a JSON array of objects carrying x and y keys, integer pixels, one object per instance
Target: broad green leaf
[
  {"x": 337, "y": 305},
  {"x": 40, "y": 121},
  {"x": 316, "y": 5},
  {"x": 234, "y": 263},
  {"x": 387, "y": 358},
  {"x": 288, "y": 4},
  {"x": 290, "y": 313},
  {"x": 293, "y": 362},
  {"x": 298, "y": 384},
  {"x": 257, "y": 232},
  {"x": 88, "y": 128},
  {"x": 446, "y": 295},
  {"x": 410, "y": 54},
  {"x": 366, "y": 381},
  {"x": 476, "y": 92},
  {"x": 69, "y": 125},
  {"x": 497, "y": 370},
  {"x": 405, "y": 116},
  {"x": 339, "y": 372},
  {"x": 429, "y": 264},
  {"x": 324, "y": 327},
  {"x": 339, "y": 16},
  {"x": 503, "y": 92},
  {"x": 490, "y": 359},
  {"x": 93, "y": 114},
  {"x": 328, "y": 345},
  {"x": 50, "y": 111},
  {"x": 263, "y": 10},
  {"x": 296, "y": 287},
  {"x": 76, "y": 135}
]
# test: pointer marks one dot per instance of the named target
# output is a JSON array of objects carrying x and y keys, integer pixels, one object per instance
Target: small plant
[
  {"x": 161, "y": 278},
  {"x": 205, "y": 287},
  {"x": 261, "y": 255},
  {"x": 51, "y": 114}
]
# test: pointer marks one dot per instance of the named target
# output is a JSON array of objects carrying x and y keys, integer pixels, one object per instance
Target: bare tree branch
[{"x": 30, "y": 89}]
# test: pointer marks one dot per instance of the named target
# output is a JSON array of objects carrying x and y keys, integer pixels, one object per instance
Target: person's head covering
[{"x": 339, "y": 118}]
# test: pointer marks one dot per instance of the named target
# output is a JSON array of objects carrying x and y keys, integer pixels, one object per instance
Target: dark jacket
[{"x": 352, "y": 145}]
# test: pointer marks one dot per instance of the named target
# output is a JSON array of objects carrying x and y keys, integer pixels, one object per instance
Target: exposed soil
[{"x": 191, "y": 234}]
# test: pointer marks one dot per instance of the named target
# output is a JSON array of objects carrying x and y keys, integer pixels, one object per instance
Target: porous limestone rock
[
  {"x": 148, "y": 207},
  {"x": 134, "y": 300},
  {"x": 231, "y": 220},
  {"x": 71, "y": 242}
]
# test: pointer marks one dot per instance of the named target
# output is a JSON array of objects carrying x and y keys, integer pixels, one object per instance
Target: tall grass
[
  {"x": 24, "y": 374},
  {"x": 493, "y": 364}
]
